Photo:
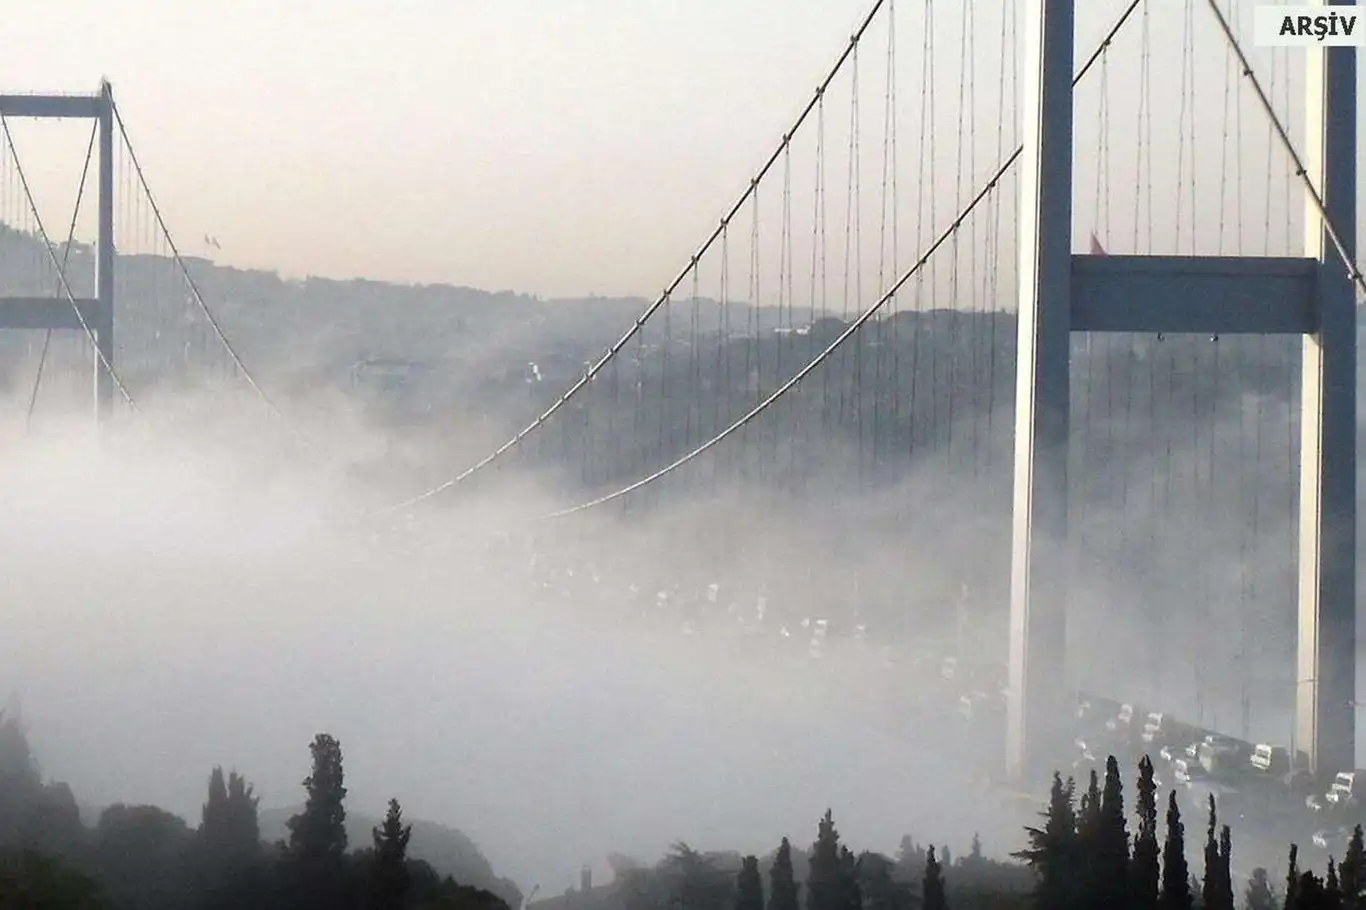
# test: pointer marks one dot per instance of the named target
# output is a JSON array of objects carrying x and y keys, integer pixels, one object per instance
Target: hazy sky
[{"x": 560, "y": 147}]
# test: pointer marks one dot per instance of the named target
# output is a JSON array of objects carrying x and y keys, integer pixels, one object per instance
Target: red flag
[{"x": 1096, "y": 248}]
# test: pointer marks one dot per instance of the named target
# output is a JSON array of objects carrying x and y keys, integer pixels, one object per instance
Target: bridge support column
[
  {"x": 1036, "y": 715},
  {"x": 59, "y": 312},
  {"x": 1312, "y": 296},
  {"x": 103, "y": 327},
  {"x": 1326, "y": 661}
]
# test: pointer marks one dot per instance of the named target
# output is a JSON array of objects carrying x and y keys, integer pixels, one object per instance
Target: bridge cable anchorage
[
  {"x": 66, "y": 257},
  {"x": 849, "y": 330},
  {"x": 61, "y": 273},
  {"x": 673, "y": 285},
  {"x": 194, "y": 288},
  {"x": 1348, "y": 259}
]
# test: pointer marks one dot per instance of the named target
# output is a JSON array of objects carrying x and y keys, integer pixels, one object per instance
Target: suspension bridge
[{"x": 1157, "y": 434}]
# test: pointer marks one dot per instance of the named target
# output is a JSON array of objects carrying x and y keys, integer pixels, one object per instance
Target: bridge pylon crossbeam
[
  {"x": 93, "y": 314},
  {"x": 1311, "y": 296}
]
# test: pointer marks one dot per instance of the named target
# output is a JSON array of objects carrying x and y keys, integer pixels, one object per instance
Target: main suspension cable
[
  {"x": 1348, "y": 259},
  {"x": 853, "y": 327},
  {"x": 659, "y": 301},
  {"x": 189, "y": 280}
]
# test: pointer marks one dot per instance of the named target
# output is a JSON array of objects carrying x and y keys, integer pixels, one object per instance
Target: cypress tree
[
  {"x": 851, "y": 894},
  {"x": 1144, "y": 870},
  {"x": 390, "y": 880},
  {"x": 1292, "y": 879},
  {"x": 1225, "y": 869},
  {"x": 317, "y": 835},
  {"x": 242, "y": 824},
  {"x": 1052, "y": 850},
  {"x": 1089, "y": 845},
  {"x": 1176, "y": 885},
  {"x": 880, "y": 890},
  {"x": 319, "y": 832},
  {"x": 214, "y": 812},
  {"x": 1332, "y": 894},
  {"x": 1350, "y": 873},
  {"x": 749, "y": 887},
  {"x": 782, "y": 883},
  {"x": 1112, "y": 861},
  {"x": 225, "y": 867},
  {"x": 1210, "y": 890},
  {"x": 824, "y": 879},
  {"x": 932, "y": 892}
]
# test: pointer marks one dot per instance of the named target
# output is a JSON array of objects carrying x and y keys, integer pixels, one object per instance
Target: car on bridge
[
  {"x": 1162, "y": 731},
  {"x": 1333, "y": 841}
]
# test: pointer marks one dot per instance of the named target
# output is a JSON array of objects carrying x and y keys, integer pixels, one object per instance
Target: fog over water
[{"x": 169, "y": 606}]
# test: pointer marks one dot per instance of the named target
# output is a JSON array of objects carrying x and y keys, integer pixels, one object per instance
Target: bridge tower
[
  {"x": 95, "y": 314},
  {"x": 1060, "y": 293}
]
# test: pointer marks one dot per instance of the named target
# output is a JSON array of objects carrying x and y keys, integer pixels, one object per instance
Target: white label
[{"x": 1309, "y": 26}]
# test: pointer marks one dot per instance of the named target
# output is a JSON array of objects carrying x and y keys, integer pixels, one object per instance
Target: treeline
[
  {"x": 145, "y": 858},
  {"x": 1082, "y": 857},
  {"x": 1085, "y": 858},
  {"x": 828, "y": 876}
]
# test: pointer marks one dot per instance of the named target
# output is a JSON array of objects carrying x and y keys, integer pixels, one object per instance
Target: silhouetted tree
[
  {"x": 39, "y": 817},
  {"x": 910, "y": 860},
  {"x": 30, "y": 881},
  {"x": 932, "y": 892},
  {"x": 880, "y": 890},
  {"x": 824, "y": 879},
  {"x": 228, "y": 867},
  {"x": 1088, "y": 818},
  {"x": 1332, "y": 894},
  {"x": 1310, "y": 894},
  {"x": 389, "y": 875},
  {"x": 1225, "y": 869},
  {"x": 749, "y": 886},
  {"x": 211, "y": 815},
  {"x": 317, "y": 835},
  {"x": 693, "y": 881},
  {"x": 1176, "y": 885},
  {"x": 782, "y": 882},
  {"x": 1112, "y": 849},
  {"x": 229, "y": 826},
  {"x": 1259, "y": 895},
  {"x": 1210, "y": 890},
  {"x": 1350, "y": 873},
  {"x": 319, "y": 831},
  {"x": 851, "y": 894},
  {"x": 1144, "y": 871},
  {"x": 141, "y": 857},
  {"x": 1292, "y": 879},
  {"x": 1052, "y": 851}
]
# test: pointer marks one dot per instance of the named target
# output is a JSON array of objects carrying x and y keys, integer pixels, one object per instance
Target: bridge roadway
[{"x": 942, "y": 714}]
